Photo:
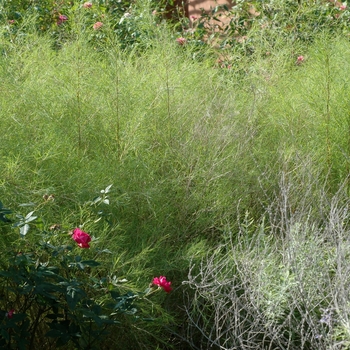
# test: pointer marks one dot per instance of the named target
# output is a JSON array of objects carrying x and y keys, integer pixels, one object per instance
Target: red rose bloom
[
  {"x": 10, "y": 313},
  {"x": 81, "y": 237},
  {"x": 162, "y": 282}
]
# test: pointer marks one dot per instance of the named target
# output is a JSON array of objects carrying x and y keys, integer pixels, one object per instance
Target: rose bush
[{"x": 53, "y": 295}]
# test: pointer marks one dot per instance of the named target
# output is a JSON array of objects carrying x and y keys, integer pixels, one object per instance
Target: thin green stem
[
  {"x": 78, "y": 98},
  {"x": 117, "y": 112},
  {"x": 328, "y": 113}
]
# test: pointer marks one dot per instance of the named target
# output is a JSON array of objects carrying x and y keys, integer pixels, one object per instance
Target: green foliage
[
  {"x": 128, "y": 22},
  {"x": 3, "y": 213},
  {"x": 23, "y": 222}
]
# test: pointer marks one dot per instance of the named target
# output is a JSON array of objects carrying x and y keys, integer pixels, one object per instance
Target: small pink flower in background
[
  {"x": 97, "y": 25},
  {"x": 12, "y": 21},
  {"x": 10, "y": 313},
  {"x": 342, "y": 7},
  {"x": 87, "y": 5},
  {"x": 162, "y": 282},
  {"x": 82, "y": 238},
  {"x": 300, "y": 59},
  {"x": 61, "y": 19},
  {"x": 181, "y": 41},
  {"x": 193, "y": 18},
  {"x": 154, "y": 12}
]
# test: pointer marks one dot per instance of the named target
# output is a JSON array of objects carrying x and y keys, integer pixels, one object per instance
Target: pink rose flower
[
  {"x": 61, "y": 19},
  {"x": 87, "y": 5},
  {"x": 81, "y": 237},
  {"x": 10, "y": 313},
  {"x": 181, "y": 41},
  {"x": 162, "y": 282},
  {"x": 300, "y": 59},
  {"x": 97, "y": 25}
]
